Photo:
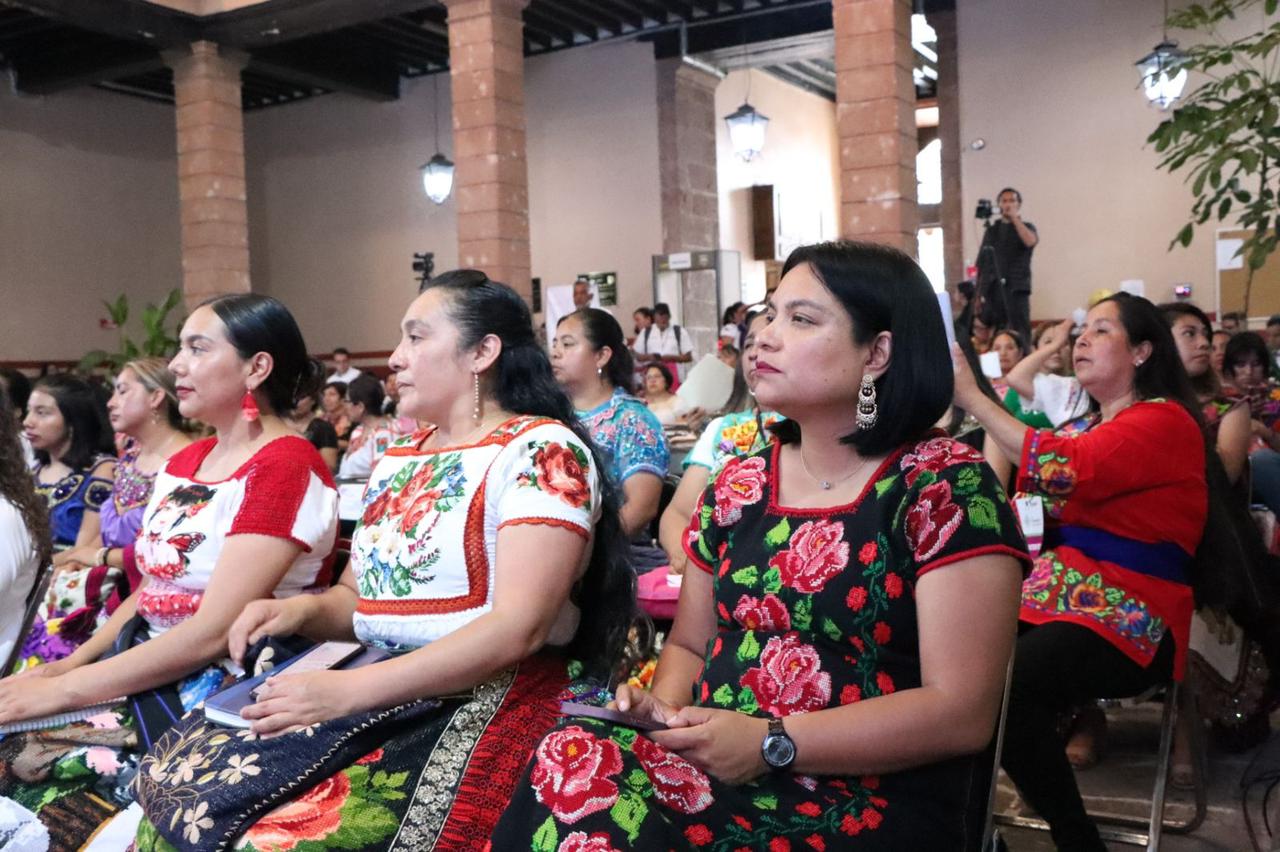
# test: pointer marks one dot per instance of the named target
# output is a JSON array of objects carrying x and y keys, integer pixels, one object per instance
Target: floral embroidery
[
  {"x": 578, "y": 841},
  {"x": 1057, "y": 589},
  {"x": 572, "y": 770},
  {"x": 817, "y": 552},
  {"x": 629, "y": 436},
  {"x": 741, "y": 483},
  {"x": 932, "y": 520},
  {"x": 561, "y": 471},
  {"x": 936, "y": 456},
  {"x": 677, "y": 783},
  {"x": 769, "y": 613},
  {"x": 789, "y": 679}
]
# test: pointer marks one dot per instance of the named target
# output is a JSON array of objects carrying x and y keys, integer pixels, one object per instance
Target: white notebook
[{"x": 57, "y": 720}]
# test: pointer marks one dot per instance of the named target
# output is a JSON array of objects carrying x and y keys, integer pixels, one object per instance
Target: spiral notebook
[{"x": 57, "y": 720}]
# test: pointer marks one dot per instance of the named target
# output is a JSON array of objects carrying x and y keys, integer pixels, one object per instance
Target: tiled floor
[{"x": 1122, "y": 783}]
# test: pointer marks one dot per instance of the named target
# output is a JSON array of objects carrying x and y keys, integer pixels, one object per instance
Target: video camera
[{"x": 985, "y": 210}]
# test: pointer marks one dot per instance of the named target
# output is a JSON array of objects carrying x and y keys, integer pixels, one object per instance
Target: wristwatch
[{"x": 778, "y": 749}]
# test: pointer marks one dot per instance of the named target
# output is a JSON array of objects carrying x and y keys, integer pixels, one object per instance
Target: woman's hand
[
  {"x": 29, "y": 698},
  {"x": 642, "y": 703},
  {"x": 84, "y": 556},
  {"x": 54, "y": 669},
  {"x": 269, "y": 617},
  {"x": 291, "y": 702},
  {"x": 1057, "y": 337},
  {"x": 722, "y": 743},
  {"x": 967, "y": 392}
]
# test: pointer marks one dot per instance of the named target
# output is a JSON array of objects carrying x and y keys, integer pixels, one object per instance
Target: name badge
[{"x": 1031, "y": 518}]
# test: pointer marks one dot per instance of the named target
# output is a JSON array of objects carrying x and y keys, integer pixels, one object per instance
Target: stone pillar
[
  {"x": 486, "y": 63},
  {"x": 211, "y": 181},
  {"x": 875, "y": 115},
  {"x": 953, "y": 214},
  {"x": 687, "y": 178}
]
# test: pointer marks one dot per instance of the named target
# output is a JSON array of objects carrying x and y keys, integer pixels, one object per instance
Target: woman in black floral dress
[{"x": 824, "y": 686}]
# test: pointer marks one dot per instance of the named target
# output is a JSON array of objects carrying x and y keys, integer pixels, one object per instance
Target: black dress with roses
[{"x": 815, "y": 609}]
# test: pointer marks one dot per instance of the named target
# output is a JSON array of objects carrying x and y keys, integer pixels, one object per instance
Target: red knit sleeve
[{"x": 286, "y": 488}]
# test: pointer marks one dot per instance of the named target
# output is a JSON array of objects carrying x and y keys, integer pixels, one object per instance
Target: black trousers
[
  {"x": 1019, "y": 318},
  {"x": 1058, "y": 666}
]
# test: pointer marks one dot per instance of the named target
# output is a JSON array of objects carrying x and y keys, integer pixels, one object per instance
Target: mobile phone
[
  {"x": 604, "y": 714},
  {"x": 328, "y": 655},
  {"x": 948, "y": 322}
]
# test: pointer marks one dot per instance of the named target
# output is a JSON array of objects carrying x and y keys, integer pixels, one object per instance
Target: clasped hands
[{"x": 723, "y": 743}]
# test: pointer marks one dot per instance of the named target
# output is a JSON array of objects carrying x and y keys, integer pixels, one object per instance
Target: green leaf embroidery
[
  {"x": 778, "y": 536},
  {"x": 403, "y": 475},
  {"x": 802, "y": 613},
  {"x": 625, "y": 737},
  {"x": 830, "y": 630},
  {"x": 401, "y": 583},
  {"x": 772, "y": 581},
  {"x": 629, "y": 813},
  {"x": 637, "y": 780},
  {"x": 747, "y": 576},
  {"x": 766, "y": 803},
  {"x": 1072, "y": 576},
  {"x": 747, "y": 701},
  {"x": 982, "y": 513},
  {"x": 885, "y": 484},
  {"x": 968, "y": 480},
  {"x": 1114, "y": 596},
  {"x": 723, "y": 696},
  {"x": 547, "y": 837},
  {"x": 749, "y": 648},
  {"x": 362, "y": 823}
]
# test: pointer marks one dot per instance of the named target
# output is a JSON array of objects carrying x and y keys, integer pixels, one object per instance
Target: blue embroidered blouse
[
  {"x": 629, "y": 435},
  {"x": 70, "y": 497}
]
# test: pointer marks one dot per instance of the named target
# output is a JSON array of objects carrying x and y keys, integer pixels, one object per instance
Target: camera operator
[{"x": 1004, "y": 266}]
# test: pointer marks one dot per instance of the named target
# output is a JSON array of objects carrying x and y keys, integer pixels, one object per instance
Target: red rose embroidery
[
  {"x": 884, "y": 682},
  {"x": 578, "y": 841},
  {"x": 850, "y": 694},
  {"x": 937, "y": 455},
  {"x": 809, "y": 809},
  {"x": 420, "y": 509},
  {"x": 377, "y": 508},
  {"x": 816, "y": 553},
  {"x": 698, "y": 835},
  {"x": 742, "y": 821},
  {"x": 856, "y": 598},
  {"x": 816, "y": 841},
  {"x": 871, "y": 818},
  {"x": 571, "y": 774},
  {"x": 741, "y": 483},
  {"x": 867, "y": 553},
  {"x": 767, "y": 614},
  {"x": 932, "y": 520},
  {"x": 677, "y": 783},
  {"x": 312, "y": 816},
  {"x": 789, "y": 679},
  {"x": 559, "y": 473},
  {"x": 851, "y": 825},
  {"x": 892, "y": 585},
  {"x": 779, "y": 844},
  {"x": 412, "y": 488},
  {"x": 372, "y": 757},
  {"x": 881, "y": 633}
]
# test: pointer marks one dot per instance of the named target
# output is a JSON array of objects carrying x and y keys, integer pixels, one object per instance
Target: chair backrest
[
  {"x": 34, "y": 598},
  {"x": 988, "y": 826}
]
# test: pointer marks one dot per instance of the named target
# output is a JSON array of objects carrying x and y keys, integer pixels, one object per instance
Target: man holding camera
[{"x": 1004, "y": 265}]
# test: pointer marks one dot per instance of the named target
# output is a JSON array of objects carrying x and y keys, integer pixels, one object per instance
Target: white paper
[
  {"x": 1227, "y": 257},
  {"x": 1134, "y": 287},
  {"x": 708, "y": 385},
  {"x": 990, "y": 362},
  {"x": 944, "y": 302}
]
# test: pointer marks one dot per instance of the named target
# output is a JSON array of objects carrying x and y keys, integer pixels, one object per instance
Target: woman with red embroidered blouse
[
  {"x": 1107, "y": 610},
  {"x": 248, "y": 513}
]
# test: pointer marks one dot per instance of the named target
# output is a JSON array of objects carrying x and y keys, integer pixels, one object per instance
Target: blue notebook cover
[{"x": 223, "y": 708}]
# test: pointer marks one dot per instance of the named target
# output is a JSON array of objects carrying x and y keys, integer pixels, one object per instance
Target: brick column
[
  {"x": 875, "y": 114},
  {"x": 944, "y": 24},
  {"x": 486, "y": 62},
  {"x": 687, "y": 179},
  {"x": 211, "y": 182}
]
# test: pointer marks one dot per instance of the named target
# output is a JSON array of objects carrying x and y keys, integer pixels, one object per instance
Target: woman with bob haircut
[
  {"x": 248, "y": 513},
  {"x": 813, "y": 688},
  {"x": 1107, "y": 609},
  {"x": 486, "y": 559}
]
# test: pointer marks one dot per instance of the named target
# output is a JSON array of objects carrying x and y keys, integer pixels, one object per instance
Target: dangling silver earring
[
  {"x": 476, "y": 413},
  {"x": 600, "y": 373},
  {"x": 868, "y": 413}
]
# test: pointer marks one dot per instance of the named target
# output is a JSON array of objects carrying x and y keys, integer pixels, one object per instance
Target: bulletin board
[{"x": 1264, "y": 299}]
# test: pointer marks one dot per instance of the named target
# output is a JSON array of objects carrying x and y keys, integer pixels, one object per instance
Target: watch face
[{"x": 779, "y": 751}]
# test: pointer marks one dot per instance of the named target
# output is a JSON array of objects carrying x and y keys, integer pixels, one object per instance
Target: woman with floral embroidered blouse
[
  {"x": 480, "y": 536},
  {"x": 812, "y": 690},
  {"x": 1107, "y": 610}
]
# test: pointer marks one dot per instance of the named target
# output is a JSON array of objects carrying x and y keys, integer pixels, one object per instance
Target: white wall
[
  {"x": 88, "y": 210},
  {"x": 595, "y": 204},
  {"x": 801, "y": 158},
  {"x": 337, "y": 208},
  {"x": 1053, "y": 90}
]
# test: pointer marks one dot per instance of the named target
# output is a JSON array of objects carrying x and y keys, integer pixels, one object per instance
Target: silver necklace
[{"x": 827, "y": 484}]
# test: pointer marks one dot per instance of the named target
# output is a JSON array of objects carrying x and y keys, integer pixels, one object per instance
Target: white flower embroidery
[
  {"x": 238, "y": 769},
  {"x": 194, "y": 820},
  {"x": 185, "y": 770},
  {"x": 156, "y": 771}
]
